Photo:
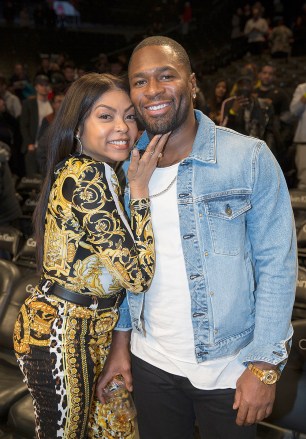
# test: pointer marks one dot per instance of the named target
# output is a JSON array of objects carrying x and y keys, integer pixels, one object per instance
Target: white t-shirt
[{"x": 168, "y": 342}]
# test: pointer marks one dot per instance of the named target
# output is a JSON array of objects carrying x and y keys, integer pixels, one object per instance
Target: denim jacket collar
[{"x": 204, "y": 146}]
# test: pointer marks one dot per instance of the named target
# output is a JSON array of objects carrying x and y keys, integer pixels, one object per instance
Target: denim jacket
[{"x": 239, "y": 244}]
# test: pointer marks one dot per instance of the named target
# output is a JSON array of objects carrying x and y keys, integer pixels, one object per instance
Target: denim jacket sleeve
[
  {"x": 124, "y": 323},
  {"x": 271, "y": 228}
]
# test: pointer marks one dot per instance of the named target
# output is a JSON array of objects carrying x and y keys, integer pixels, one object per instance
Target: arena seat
[
  {"x": 12, "y": 387},
  {"x": 299, "y": 307},
  {"x": 26, "y": 257},
  {"x": 290, "y": 402},
  {"x": 10, "y": 239},
  {"x": 9, "y": 274},
  {"x": 21, "y": 417}
]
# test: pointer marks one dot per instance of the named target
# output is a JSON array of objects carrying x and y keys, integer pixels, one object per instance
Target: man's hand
[
  {"x": 117, "y": 362},
  {"x": 253, "y": 399},
  {"x": 240, "y": 102}
]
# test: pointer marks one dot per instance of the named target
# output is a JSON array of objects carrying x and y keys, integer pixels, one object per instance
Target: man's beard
[{"x": 163, "y": 124}]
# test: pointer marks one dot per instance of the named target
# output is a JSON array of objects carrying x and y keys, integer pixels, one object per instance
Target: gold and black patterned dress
[{"x": 90, "y": 248}]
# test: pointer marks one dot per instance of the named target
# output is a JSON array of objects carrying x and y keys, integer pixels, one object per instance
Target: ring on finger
[{"x": 152, "y": 152}]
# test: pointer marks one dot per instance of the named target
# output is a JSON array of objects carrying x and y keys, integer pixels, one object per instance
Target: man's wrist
[
  {"x": 263, "y": 365},
  {"x": 267, "y": 373}
]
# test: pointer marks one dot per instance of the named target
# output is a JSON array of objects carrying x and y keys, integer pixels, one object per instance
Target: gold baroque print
[
  {"x": 87, "y": 246},
  {"x": 33, "y": 325}
]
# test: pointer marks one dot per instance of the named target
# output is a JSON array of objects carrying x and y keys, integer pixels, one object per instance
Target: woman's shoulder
[{"x": 85, "y": 167}]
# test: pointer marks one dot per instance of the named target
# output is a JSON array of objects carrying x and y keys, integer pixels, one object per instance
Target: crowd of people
[{"x": 252, "y": 103}]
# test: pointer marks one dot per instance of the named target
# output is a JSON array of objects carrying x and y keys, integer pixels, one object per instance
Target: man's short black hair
[
  {"x": 165, "y": 41},
  {"x": 268, "y": 64}
]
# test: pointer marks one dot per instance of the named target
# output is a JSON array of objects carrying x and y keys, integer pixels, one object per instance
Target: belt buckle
[
  {"x": 94, "y": 304},
  {"x": 46, "y": 285}
]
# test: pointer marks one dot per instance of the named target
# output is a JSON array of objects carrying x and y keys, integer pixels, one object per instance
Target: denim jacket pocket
[{"x": 226, "y": 219}]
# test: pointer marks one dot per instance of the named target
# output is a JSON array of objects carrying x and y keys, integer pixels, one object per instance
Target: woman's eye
[
  {"x": 104, "y": 116},
  {"x": 131, "y": 117}
]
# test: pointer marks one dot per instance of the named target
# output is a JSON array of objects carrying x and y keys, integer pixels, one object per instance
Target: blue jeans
[{"x": 168, "y": 405}]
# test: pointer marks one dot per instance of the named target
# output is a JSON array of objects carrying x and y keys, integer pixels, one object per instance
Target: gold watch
[{"x": 267, "y": 376}]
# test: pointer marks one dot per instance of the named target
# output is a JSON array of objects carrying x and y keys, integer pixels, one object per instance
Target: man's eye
[
  {"x": 167, "y": 77},
  {"x": 139, "y": 82}
]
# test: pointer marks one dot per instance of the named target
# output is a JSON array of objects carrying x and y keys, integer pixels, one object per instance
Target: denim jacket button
[
  {"x": 205, "y": 253},
  {"x": 211, "y": 293},
  {"x": 228, "y": 210}
]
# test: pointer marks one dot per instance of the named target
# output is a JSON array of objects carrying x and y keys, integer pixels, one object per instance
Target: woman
[
  {"x": 214, "y": 104},
  {"x": 88, "y": 253}
]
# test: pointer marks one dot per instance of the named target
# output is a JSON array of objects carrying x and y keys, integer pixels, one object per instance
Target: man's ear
[{"x": 193, "y": 84}]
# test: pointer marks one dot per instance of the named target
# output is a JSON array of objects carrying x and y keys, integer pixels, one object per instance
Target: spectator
[
  {"x": 214, "y": 103},
  {"x": 116, "y": 67},
  {"x": 10, "y": 135},
  {"x": 20, "y": 82},
  {"x": 12, "y": 102},
  {"x": 42, "y": 144},
  {"x": 275, "y": 101},
  {"x": 186, "y": 18},
  {"x": 298, "y": 108},
  {"x": 45, "y": 67},
  {"x": 242, "y": 112},
  {"x": 102, "y": 63},
  {"x": 9, "y": 12},
  {"x": 58, "y": 82},
  {"x": 237, "y": 35},
  {"x": 69, "y": 73},
  {"x": 10, "y": 209},
  {"x": 24, "y": 18},
  {"x": 256, "y": 30},
  {"x": 280, "y": 39},
  {"x": 39, "y": 16},
  {"x": 50, "y": 15},
  {"x": 33, "y": 111}
]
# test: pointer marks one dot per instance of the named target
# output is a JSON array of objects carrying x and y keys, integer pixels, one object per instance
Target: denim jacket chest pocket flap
[{"x": 226, "y": 219}]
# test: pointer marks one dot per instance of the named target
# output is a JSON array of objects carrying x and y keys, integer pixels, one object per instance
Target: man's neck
[{"x": 179, "y": 145}]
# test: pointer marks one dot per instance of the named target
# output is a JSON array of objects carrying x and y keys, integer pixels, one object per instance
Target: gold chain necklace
[{"x": 164, "y": 190}]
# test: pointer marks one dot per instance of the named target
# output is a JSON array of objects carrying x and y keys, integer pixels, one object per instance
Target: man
[
  {"x": 298, "y": 108},
  {"x": 12, "y": 102},
  {"x": 280, "y": 39},
  {"x": 242, "y": 112},
  {"x": 256, "y": 30},
  {"x": 34, "y": 109},
  {"x": 270, "y": 93},
  {"x": 211, "y": 335},
  {"x": 275, "y": 104},
  {"x": 42, "y": 138}
]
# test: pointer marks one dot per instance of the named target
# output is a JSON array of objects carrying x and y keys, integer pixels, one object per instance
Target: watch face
[{"x": 270, "y": 377}]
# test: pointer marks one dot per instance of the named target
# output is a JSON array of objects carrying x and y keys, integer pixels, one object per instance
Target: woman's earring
[
  {"x": 194, "y": 95},
  {"x": 80, "y": 144}
]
